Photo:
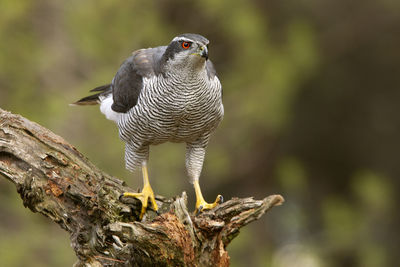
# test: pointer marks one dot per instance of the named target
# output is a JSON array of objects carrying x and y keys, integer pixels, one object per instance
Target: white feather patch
[{"x": 105, "y": 108}]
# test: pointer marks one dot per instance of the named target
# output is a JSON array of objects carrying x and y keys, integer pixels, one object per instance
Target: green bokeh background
[{"x": 311, "y": 95}]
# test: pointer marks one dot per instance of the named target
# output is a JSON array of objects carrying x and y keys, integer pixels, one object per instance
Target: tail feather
[
  {"x": 102, "y": 88},
  {"x": 94, "y": 99}
]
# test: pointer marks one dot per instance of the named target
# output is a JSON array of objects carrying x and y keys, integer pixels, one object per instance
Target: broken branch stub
[{"x": 56, "y": 180}]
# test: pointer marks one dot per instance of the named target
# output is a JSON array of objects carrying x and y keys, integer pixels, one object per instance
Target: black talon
[
  {"x": 199, "y": 209},
  {"x": 158, "y": 213},
  {"x": 120, "y": 197},
  {"x": 221, "y": 199}
]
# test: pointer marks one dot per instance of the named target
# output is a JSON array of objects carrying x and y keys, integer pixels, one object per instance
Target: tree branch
[{"x": 54, "y": 179}]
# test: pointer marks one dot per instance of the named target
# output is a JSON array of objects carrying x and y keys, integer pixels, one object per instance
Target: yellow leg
[
  {"x": 145, "y": 195},
  {"x": 201, "y": 204}
]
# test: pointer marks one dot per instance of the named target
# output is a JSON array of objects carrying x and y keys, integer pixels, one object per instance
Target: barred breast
[{"x": 170, "y": 109}]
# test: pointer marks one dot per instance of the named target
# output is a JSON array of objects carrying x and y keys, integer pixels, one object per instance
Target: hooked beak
[{"x": 203, "y": 52}]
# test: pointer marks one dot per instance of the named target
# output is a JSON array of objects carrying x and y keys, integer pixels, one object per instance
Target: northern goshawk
[{"x": 167, "y": 93}]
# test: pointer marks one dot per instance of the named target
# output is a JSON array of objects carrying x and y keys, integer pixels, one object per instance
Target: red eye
[{"x": 186, "y": 45}]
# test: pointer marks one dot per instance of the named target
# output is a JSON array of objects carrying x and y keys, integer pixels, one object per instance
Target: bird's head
[{"x": 187, "y": 50}]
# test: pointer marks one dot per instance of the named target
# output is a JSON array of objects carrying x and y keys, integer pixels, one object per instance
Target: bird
[{"x": 164, "y": 94}]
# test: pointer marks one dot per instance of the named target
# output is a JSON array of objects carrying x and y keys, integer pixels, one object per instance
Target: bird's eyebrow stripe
[{"x": 180, "y": 39}]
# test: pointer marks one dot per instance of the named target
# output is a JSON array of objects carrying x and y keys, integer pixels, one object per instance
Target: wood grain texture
[{"x": 56, "y": 180}]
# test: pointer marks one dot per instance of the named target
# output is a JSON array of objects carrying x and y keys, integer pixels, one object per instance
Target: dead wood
[{"x": 56, "y": 180}]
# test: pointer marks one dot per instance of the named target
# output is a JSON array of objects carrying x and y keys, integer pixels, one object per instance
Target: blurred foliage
[{"x": 311, "y": 91}]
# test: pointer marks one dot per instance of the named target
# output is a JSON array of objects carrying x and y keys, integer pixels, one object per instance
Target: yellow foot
[
  {"x": 201, "y": 205},
  {"x": 144, "y": 197}
]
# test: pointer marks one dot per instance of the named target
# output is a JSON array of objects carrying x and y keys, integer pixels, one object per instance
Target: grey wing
[
  {"x": 211, "y": 72},
  {"x": 128, "y": 82}
]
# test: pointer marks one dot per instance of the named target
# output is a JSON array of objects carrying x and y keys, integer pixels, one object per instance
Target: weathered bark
[{"x": 54, "y": 179}]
